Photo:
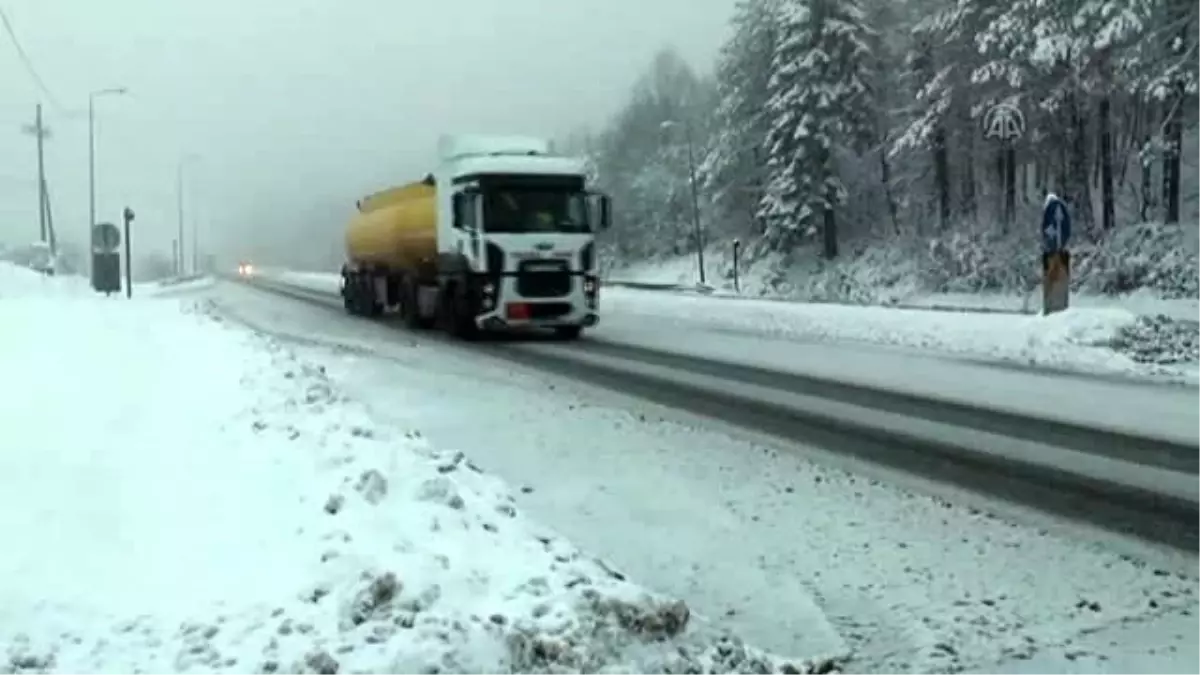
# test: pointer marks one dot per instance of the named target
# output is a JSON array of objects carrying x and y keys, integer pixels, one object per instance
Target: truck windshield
[{"x": 517, "y": 211}]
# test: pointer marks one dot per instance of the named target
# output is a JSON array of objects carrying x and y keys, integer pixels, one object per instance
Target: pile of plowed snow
[
  {"x": 18, "y": 282},
  {"x": 187, "y": 496}
]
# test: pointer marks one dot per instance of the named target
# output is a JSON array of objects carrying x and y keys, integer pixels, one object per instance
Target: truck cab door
[{"x": 468, "y": 217}]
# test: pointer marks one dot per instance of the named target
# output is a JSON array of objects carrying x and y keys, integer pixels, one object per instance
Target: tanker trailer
[{"x": 500, "y": 236}]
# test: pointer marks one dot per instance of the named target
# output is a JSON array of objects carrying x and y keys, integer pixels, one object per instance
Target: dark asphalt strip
[
  {"x": 1159, "y": 453},
  {"x": 1142, "y": 513}
]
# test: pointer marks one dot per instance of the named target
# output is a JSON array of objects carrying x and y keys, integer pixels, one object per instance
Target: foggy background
[{"x": 285, "y": 113}]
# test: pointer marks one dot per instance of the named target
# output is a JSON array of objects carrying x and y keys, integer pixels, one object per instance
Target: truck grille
[{"x": 543, "y": 279}]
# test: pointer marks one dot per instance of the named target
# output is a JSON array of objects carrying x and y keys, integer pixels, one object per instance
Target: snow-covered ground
[
  {"x": 1107, "y": 340},
  {"x": 788, "y": 546},
  {"x": 183, "y": 495},
  {"x": 682, "y": 272},
  {"x": 17, "y": 281}
]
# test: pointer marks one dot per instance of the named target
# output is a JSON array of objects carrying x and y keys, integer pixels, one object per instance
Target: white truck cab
[{"x": 516, "y": 235}]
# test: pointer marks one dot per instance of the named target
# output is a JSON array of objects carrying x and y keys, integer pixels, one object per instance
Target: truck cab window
[
  {"x": 517, "y": 211},
  {"x": 464, "y": 212}
]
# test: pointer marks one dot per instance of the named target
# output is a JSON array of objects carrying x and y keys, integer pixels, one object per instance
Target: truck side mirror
[
  {"x": 604, "y": 204},
  {"x": 464, "y": 210}
]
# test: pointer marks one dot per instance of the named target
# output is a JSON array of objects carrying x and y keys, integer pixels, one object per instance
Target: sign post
[
  {"x": 128, "y": 216},
  {"x": 1056, "y": 257},
  {"x": 106, "y": 261}
]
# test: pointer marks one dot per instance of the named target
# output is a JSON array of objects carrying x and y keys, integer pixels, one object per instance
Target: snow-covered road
[
  {"x": 1139, "y": 407},
  {"x": 179, "y": 494},
  {"x": 1093, "y": 340},
  {"x": 791, "y": 554}
]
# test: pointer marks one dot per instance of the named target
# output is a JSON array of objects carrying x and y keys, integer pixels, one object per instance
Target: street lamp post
[
  {"x": 687, "y": 130},
  {"x": 111, "y": 91},
  {"x": 179, "y": 211}
]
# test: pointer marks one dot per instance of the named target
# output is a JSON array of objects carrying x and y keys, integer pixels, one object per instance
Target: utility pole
[
  {"x": 179, "y": 208},
  {"x": 179, "y": 167},
  {"x": 39, "y": 131},
  {"x": 195, "y": 244},
  {"x": 697, "y": 233},
  {"x": 51, "y": 238}
]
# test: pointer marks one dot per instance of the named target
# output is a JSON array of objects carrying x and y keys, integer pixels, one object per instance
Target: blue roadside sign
[
  {"x": 1056, "y": 226},
  {"x": 106, "y": 238}
]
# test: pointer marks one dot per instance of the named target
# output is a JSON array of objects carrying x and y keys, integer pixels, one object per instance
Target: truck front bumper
[{"x": 506, "y": 309}]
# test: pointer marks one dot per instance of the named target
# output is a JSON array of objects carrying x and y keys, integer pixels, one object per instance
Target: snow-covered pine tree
[
  {"x": 820, "y": 102},
  {"x": 732, "y": 171},
  {"x": 943, "y": 120}
]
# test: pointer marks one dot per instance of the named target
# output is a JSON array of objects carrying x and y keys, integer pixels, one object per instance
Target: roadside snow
[
  {"x": 181, "y": 495},
  {"x": 321, "y": 282},
  {"x": 792, "y": 548},
  {"x": 1078, "y": 339},
  {"x": 16, "y": 281}
]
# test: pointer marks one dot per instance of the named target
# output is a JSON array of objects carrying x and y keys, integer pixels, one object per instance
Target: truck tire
[
  {"x": 410, "y": 308},
  {"x": 350, "y": 294},
  {"x": 454, "y": 315},
  {"x": 358, "y": 296},
  {"x": 371, "y": 305},
  {"x": 568, "y": 333}
]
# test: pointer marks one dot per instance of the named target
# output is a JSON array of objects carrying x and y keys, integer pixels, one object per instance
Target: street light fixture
[
  {"x": 687, "y": 130},
  {"x": 92, "y": 96}
]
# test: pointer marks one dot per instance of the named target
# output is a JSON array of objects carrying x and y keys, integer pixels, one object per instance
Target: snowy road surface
[
  {"x": 1079, "y": 340},
  {"x": 1168, "y": 412},
  {"x": 183, "y": 495},
  {"x": 792, "y": 554}
]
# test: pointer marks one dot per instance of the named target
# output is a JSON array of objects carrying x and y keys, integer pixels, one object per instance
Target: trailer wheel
[
  {"x": 372, "y": 307},
  {"x": 350, "y": 294},
  {"x": 410, "y": 308},
  {"x": 358, "y": 295}
]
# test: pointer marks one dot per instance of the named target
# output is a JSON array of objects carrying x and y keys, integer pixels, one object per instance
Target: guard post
[
  {"x": 106, "y": 261},
  {"x": 737, "y": 247},
  {"x": 128, "y": 216},
  {"x": 1056, "y": 257}
]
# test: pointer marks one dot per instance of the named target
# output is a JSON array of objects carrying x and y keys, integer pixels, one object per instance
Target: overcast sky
[{"x": 296, "y": 108}]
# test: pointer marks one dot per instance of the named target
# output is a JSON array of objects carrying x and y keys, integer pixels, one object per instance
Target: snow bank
[
  {"x": 1093, "y": 340},
  {"x": 1149, "y": 271},
  {"x": 20, "y": 282},
  {"x": 185, "y": 496},
  {"x": 321, "y": 282},
  {"x": 1134, "y": 267}
]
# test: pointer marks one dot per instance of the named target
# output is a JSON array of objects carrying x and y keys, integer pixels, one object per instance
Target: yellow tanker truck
[{"x": 500, "y": 236}]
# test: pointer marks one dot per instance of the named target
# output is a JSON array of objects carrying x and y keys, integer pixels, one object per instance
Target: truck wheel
[
  {"x": 371, "y": 306},
  {"x": 410, "y": 309},
  {"x": 454, "y": 315},
  {"x": 568, "y": 332},
  {"x": 350, "y": 295}
]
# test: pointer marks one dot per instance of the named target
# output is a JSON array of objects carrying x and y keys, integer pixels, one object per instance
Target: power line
[{"x": 28, "y": 63}]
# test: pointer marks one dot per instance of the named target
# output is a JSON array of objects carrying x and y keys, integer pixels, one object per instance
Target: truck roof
[
  {"x": 519, "y": 164},
  {"x": 455, "y": 146}
]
